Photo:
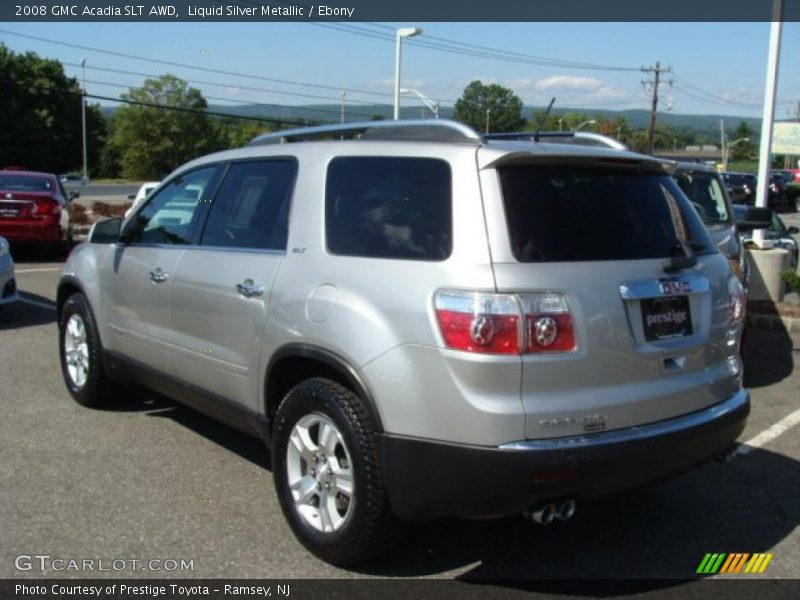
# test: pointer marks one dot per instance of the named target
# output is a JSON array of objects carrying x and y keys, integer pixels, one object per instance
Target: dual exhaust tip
[{"x": 546, "y": 513}]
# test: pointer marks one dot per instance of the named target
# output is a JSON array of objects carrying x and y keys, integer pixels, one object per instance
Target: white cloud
[{"x": 568, "y": 82}]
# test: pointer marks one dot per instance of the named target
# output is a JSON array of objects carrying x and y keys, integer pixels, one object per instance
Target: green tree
[
  {"x": 541, "y": 122},
  {"x": 42, "y": 116},
  {"x": 743, "y": 150},
  {"x": 504, "y": 107},
  {"x": 163, "y": 126},
  {"x": 235, "y": 133}
]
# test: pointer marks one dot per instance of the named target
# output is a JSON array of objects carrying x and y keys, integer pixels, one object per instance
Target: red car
[{"x": 33, "y": 208}]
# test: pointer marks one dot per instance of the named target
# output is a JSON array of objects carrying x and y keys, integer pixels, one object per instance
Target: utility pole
[
  {"x": 722, "y": 143},
  {"x": 651, "y": 127},
  {"x": 341, "y": 119}
]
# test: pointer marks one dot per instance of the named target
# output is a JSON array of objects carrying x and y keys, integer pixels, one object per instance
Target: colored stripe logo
[{"x": 735, "y": 562}]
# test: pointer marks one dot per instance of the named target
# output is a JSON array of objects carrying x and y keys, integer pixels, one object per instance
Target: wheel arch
[
  {"x": 293, "y": 363},
  {"x": 67, "y": 286}
]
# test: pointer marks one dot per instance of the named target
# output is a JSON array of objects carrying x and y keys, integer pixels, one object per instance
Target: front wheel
[
  {"x": 80, "y": 350},
  {"x": 327, "y": 474}
]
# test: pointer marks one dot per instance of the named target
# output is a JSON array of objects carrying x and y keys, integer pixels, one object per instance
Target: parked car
[
  {"x": 142, "y": 193},
  {"x": 33, "y": 209},
  {"x": 420, "y": 322},
  {"x": 777, "y": 231},
  {"x": 777, "y": 189},
  {"x": 793, "y": 187},
  {"x": 741, "y": 187},
  {"x": 74, "y": 178},
  {"x": 705, "y": 188},
  {"x": 8, "y": 285}
]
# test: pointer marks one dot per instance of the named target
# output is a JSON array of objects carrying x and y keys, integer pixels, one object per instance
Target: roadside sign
[{"x": 786, "y": 138}]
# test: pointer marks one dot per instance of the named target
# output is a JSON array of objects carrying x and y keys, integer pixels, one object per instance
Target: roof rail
[
  {"x": 581, "y": 138},
  {"x": 419, "y": 130}
]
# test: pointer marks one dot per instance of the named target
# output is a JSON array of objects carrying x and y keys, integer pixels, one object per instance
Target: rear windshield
[
  {"x": 560, "y": 213},
  {"x": 705, "y": 193},
  {"x": 21, "y": 183}
]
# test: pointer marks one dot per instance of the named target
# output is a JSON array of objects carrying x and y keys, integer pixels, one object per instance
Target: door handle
[
  {"x": 158, "y": 276},
  {"x": 249, "y": 289}
]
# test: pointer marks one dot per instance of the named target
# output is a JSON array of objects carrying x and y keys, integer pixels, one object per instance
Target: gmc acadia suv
[{"x": 420, "y": 322}]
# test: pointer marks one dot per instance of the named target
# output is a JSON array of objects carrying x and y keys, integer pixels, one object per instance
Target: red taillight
[
  {"x": 549, "y": 333},
  {"x": 490, "y": 323},
  {"x": 478, "y": 322},
  {"x": 41, "y": 209},
  {"x": 548, "y": 324}
]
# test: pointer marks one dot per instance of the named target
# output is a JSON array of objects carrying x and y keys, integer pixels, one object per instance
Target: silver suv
[{"x": 420, "y": 322}]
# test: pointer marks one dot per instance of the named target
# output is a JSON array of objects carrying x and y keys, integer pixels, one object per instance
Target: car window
[
  {"x": 564, "y": 213},
  {"x": 170, "y": 215},
  {"x": 251, "y": 209},
  {"x": 23, "y": 183},
  {"x": 389, "y": 207},
  {"x": 706, "y": 195}
]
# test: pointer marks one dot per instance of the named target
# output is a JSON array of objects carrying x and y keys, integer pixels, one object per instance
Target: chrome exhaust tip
[
  {"x": 543, "y": 514},
  {"x": 566, "y": 510}
]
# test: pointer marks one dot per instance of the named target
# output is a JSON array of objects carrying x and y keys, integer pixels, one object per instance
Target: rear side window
[
  {"x": 389, "y": 207},
  {"x": 251, "y": 209},
  {"x": 575, "y": 213}
]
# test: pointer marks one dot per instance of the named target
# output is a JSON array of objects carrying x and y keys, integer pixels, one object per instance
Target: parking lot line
[
  {"x": 36, "y": 270},
  {"x": 36, "y": 303},
  {"x": 768, "y": 434}
]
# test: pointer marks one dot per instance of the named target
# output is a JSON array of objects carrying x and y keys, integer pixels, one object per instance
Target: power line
[
  {"x": 78, "y": 94},
  {"x": 456, "y": 47},
  {"x": 195, "y": 67},
  {"x": 236, "y": 100},
  {"x": 196, "y": 111},
  {"x": 218, "y": 84}
]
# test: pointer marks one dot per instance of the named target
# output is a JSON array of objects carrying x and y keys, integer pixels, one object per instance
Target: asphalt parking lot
[{"x": 149, "y": 479}]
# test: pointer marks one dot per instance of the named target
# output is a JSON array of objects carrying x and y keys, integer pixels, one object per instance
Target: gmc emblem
[{"x": 675, "y": 287}]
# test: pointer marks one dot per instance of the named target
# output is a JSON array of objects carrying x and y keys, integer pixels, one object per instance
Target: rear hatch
[
  {"x": 22, "y": 205},
  {"x": 610, "y": 254},
  {"x": 26, "y": 196}
]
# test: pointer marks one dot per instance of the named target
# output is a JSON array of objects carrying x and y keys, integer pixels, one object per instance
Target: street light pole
[
  {"x": 342, "y": 116},
  {"x": 488, "y": 110},
  {"x": 401, "y": 33},
  {"x": 584, "y": 124},
  {"x": 83, "y": 116}
]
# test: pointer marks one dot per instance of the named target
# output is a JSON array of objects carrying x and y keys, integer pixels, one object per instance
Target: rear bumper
[
  {"x": 31, "y": 232},
  {"x": 428, "y": 479}
]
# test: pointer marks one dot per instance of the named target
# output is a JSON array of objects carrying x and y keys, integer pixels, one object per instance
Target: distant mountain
[{"x": 705, "y": 125}]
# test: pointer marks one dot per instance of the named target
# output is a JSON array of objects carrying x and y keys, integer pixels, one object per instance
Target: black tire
[
  {"x": 97, "y": 389},
  {"x": 370, "y": 529}
]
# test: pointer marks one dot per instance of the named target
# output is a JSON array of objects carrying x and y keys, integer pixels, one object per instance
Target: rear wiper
[{"x": 687, "y": 260}]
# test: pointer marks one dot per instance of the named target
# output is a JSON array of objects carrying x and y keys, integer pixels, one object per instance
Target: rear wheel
[
  {"x": 81, "y": 354},
  {"x": 327, "y": 474}
]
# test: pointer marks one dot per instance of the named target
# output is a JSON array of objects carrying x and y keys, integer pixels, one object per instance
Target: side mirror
[
  {"x": 755, "y": 217},
  {"x": 793, "y": 230},
  {"x": 106, "y": 232},
  {"x": 131, "y": 196},
  {"x": 74, "y": 195}
]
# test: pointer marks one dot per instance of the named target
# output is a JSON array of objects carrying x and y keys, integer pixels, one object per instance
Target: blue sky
[{"x": 719, "y": 68}]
